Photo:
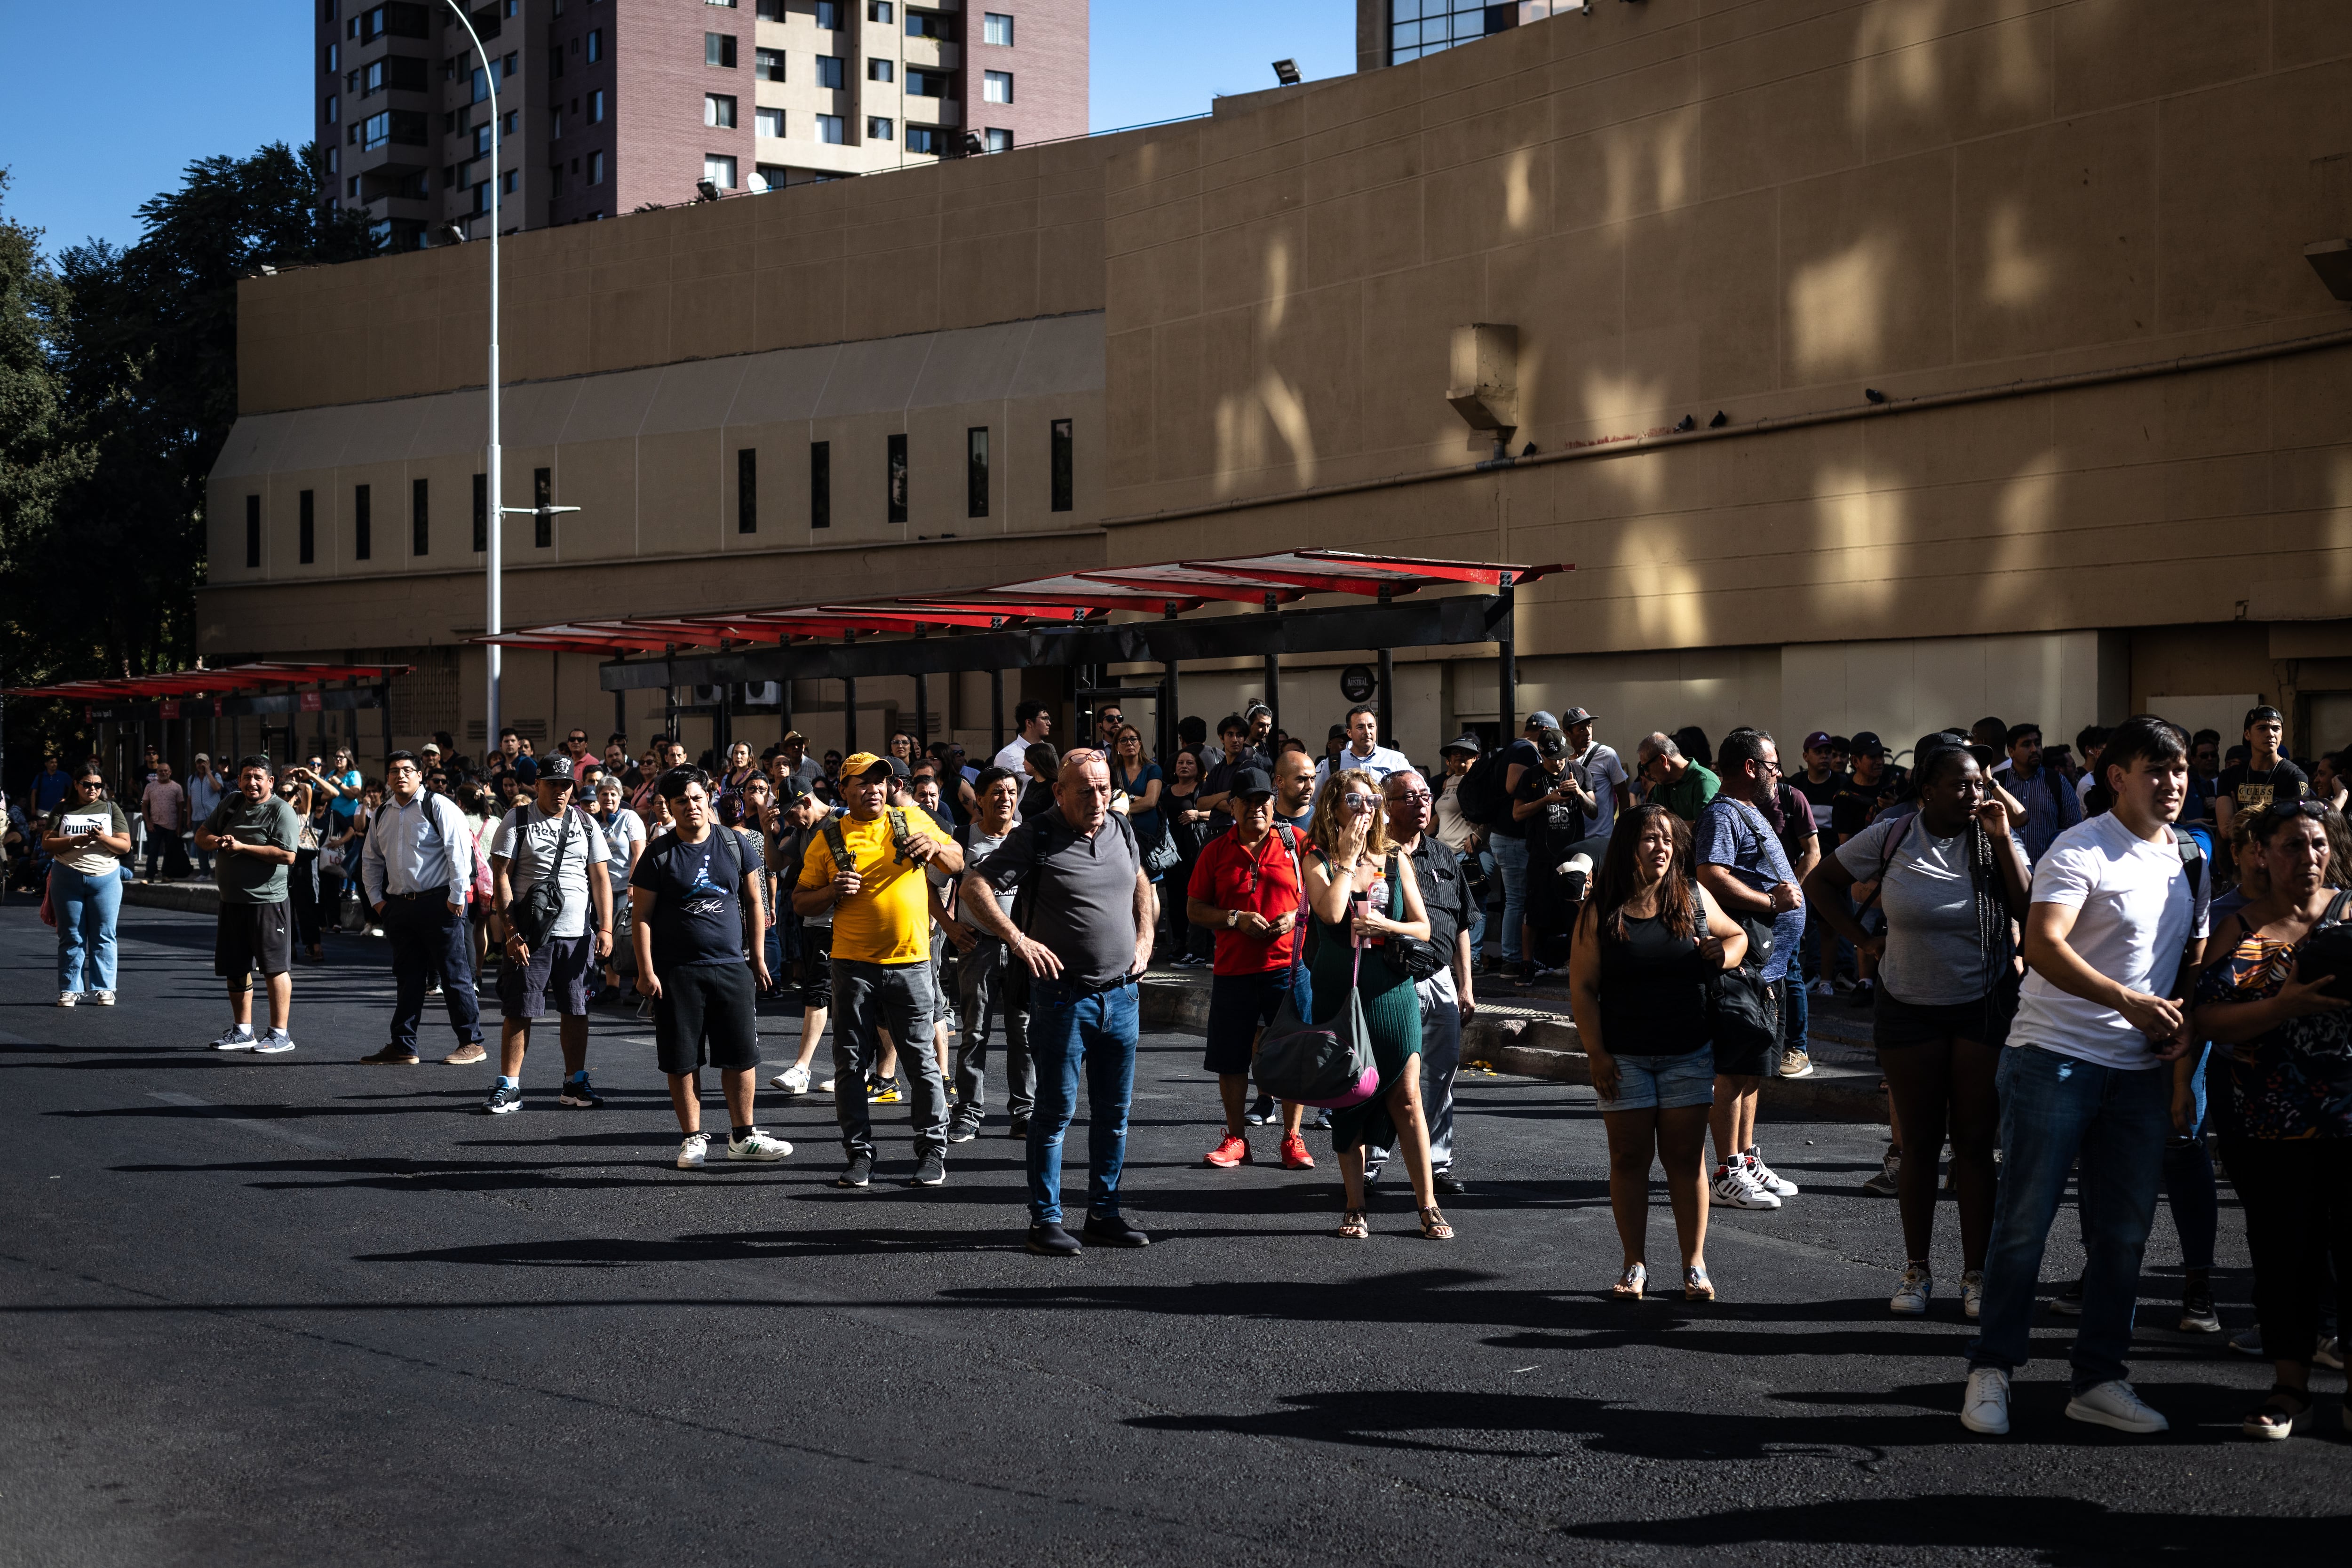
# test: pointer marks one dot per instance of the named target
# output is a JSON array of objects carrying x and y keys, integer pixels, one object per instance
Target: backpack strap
[
  {"x": 836, "y": 842},
  {"x": 2192, "y": 861}
]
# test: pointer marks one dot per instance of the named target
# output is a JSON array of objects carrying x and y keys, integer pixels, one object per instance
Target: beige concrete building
[{"x": 2064, "y": 243}]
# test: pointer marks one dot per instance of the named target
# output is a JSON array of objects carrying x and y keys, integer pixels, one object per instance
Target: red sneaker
[
  {"x": 1295, "y": 1156},
  {"x": 1232, "y": 1151}
]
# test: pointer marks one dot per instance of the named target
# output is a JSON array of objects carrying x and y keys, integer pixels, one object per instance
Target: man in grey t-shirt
[
  {"x": 549, "y": 837},
  {"x": 1083, "y": 932}
]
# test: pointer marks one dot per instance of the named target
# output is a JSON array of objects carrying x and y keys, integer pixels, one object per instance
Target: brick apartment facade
[{"x": 606, "y": 106}]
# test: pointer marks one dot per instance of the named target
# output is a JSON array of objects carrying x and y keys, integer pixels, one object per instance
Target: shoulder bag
[
  {"x": 1329, "y": 1066},
  {"x": 1740, "y": 1013},
  {"x": 533, "y": 915}
]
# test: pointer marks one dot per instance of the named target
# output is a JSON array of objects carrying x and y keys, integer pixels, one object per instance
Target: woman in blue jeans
[
  {"x": 1637, "y": 981},
  {"x": 87, "y": 838}
]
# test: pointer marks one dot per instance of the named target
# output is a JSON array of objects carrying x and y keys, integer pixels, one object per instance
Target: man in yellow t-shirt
[{"x": 867, "y": 868}]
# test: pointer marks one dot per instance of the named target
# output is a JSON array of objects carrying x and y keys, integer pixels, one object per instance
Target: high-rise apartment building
[
  {"x": 1390, "y": 32},
  {"x": 605, "y": 106}
]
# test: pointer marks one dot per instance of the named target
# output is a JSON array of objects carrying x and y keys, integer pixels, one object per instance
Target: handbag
[
  {"x": 1741, "y": 1013},
  {"x": 1162, "y": 857},
  {"x": 1329, "y": 1065},
  {"x": 533, "y": 916}
]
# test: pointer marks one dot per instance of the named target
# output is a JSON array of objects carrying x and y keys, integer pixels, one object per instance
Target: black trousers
[
  {"x": 2297, "y": 1216},
  {"x": 427, "y": 942}
]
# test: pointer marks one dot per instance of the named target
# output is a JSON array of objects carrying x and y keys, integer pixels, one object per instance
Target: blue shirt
[
  {"x": 1734, "y": 834},
  {"x": 2051, "y": 806}
]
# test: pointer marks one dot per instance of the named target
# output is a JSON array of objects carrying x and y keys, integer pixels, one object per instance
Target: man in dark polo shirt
[
  {"x": 1444, "y": 992},
  {"x": 1082, "y": 922},
  {"x": 254, "y": 833}
]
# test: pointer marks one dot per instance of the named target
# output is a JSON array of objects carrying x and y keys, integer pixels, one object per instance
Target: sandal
[
  {"x": 1630, "y": 1283},
  {"x": 1354, "y": 1225},
  {"x": 2272, "y": 1421},
  {"x": 1433, "y": 1226},
  {"x": 1696, "y": 1286}
]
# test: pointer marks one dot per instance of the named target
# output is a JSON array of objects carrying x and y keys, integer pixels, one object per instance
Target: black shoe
[
  {"x": 1451, "y": 1185},
  {"x": 1053, "y": 1241},
  {"x": 1261, "y": 1111},
  {"x": 1112, "y": 1230},
  {"x": 930, "y": 1170},
  {"x": 1863, "y": 996},
  {"x": 857, "y": 1172},
  {"x": 961, "y": 1131},
  {"x": 1018, "y": 1128},
  {"x": 2069, "y": 1303}
]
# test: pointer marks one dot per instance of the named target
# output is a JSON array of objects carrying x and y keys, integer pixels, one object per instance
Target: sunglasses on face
[
  {"x": 1357, "y": 802},
  {"x": 93, "y": 784}
]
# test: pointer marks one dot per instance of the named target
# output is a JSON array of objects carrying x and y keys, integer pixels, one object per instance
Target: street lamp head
[
  {"x": 706, "y": 190},
  {"x": 1286, "y": 72}
]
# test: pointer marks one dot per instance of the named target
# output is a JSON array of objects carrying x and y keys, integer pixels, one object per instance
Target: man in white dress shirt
[
  {"x": 1363, "y": 753},
  {"x": 1034, "y": 723},
  {"x": 418, "y": 866}
]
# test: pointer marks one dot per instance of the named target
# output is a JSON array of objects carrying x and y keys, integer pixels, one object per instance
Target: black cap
[
  {"x": 1575, "y": 715},
  {"x": 1248, "y": 782},
  {"x": 1866, "y": 744},
  {"x": 554, "y": 768},
  {"x": 1550, "y": 743},
  {"x": 1468, "y": 742},
  {"x": 791, "y": 789}
]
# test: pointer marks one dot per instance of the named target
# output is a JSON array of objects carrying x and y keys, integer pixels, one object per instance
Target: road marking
[{"x": 266, "y": 1129}]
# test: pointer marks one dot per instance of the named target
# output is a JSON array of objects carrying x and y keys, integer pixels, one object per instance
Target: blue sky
[{"x": 226, "y": 76}]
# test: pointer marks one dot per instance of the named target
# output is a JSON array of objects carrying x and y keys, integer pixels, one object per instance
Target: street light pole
[{"x": 495, "y": 507}]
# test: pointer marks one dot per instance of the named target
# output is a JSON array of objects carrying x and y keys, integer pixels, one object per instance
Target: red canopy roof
[
  {"x": 1178, "y": 586},
  {"x": 227, "y": 680}
]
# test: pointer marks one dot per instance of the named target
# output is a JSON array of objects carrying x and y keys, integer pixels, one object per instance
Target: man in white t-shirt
[
  {"x": 1034, "y": 723},
  {"x": 2112, "y": 940}
]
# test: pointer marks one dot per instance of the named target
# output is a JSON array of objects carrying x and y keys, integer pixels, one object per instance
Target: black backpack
[{"x": 1480, "y": 791}]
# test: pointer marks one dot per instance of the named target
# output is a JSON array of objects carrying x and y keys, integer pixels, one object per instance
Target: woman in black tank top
[{"x": 1638, "y": 977}]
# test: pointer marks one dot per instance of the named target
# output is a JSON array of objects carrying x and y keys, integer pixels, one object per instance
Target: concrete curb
[
  {"x": 190, "y": 897},
  {"x": 1547, "y": 1048}
]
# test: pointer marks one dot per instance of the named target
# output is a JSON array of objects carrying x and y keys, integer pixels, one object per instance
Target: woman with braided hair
[{"x": 1950, "y": 877}]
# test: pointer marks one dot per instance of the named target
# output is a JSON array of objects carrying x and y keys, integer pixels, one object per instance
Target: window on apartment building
[
  {"x": 481, "y": 85},
  {"x": 481, "y": 513},
  {"x": 719, "y": 110},
  {"x": 543, "y": 496},
  {"x": 877, "y": 10},
  {"x": 820, "y": 485},
  {"x": 334, "y": 58},
  {"x": 507, "y": 63},
  {"x": 768, "y": 65},
  {"x": 771, "y": 10},
  {"x": 330, "y": 108},
  {"x": 879, "y": 128},
  {"x": 555, "y": 179},
  {"x": 596, "y": 168},
  {"x": 482, "y": 140},
  {"x": 252, "y": 532},
  {"x": 768, "y": 121},
  {"x": 595, "y": 44},
  {"x": 1063, "y": 465},
  {"x": 999, "y": 140},
  {"x": 509, "y": 181},
  {"x": 510, "y": 123},
  {"x": 876, "y": 70},
  {"x": 897, "y": 480},
  {"x": 363, "y": 524},
  {"x": 420, "y": 518},
  {"x": 351, "y": 189},
  {"x": 996, "y": 28},
  {"x": 936, "y": 25},
  {"x": 975, "y": 472},
  {"x": 306, "y": 541},
  {"x": 931, "y": 84},
  {"x": 926, "y": 139},
  {"x": 555, "y": 125},
  {"x": 828, "y": 71},
  {"x": 996, "y": 87},
  {"x": 747, "y": 489},
  {"x": 597, "y": 107},
  {"x": 828, "y": 128},
  {"x": 773, "y": 175},
  {"x": 334, "y": 160},
  {"x": 720, "y": 170},
  {"x": 718, "y": 49},
  {"x": 555, "y": 61},
  {"x": 729, "y": 3},
  {"x": 828, "y": 16}
]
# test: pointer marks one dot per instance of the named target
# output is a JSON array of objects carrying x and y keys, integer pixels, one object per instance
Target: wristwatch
[{"x": 1233, "y": 919}]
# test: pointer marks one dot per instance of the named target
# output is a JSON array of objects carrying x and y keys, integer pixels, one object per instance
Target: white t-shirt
[
  {"x": 1605, "y": 772},
  {"x": 535, "y": 847},
  {"x": 2136, "y": 916}
]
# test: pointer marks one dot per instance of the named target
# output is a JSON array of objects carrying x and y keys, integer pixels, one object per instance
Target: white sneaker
[
  {"x": 1985, "y": 1407},
  {"x": 692, "y": 1150},
  {"x": 758, "y": 1146},
  {"x": 1972, "y": 1294},
  {"x": 237, "y": 1037},
  {"x": 1910, "y": 1298},
  {"x": 826, "y": 1088},
  {"x": 2115, "y": 1404},
  {"x": 1779, "y": 1186},
  {"x": 794, "y": 1079},
  {"x": 68, "y": 998},
  {"x": 102, "y": 998},
  {"x": 1735, "y": 1188},
  {"x": 273, "y": 1043}
]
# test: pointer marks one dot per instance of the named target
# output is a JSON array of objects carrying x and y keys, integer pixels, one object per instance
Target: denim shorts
[{"x": 1665, "y": 1083}]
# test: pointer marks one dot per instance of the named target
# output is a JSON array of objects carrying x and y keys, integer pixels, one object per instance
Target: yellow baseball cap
[{"x": 859, "y": 764}]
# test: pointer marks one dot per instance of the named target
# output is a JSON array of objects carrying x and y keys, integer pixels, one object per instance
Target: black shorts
[
  {"x": 559, "y": 967},
  {"x": 1895, "y": 1023},
  {"x": 707, "y": 1014},
  {"x": 247, "y": 937},
  {"x": 1763, "y": 1059},
  {"x": 812, "y": 967},
  {"x": 1239, "y": 1007}
]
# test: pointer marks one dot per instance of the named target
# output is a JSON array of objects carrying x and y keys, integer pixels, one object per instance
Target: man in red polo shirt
[{"x": 1246, "y": 889}]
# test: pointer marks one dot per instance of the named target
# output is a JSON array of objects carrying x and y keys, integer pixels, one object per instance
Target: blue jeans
[
  {"x": 1066, "y": 1031},
  {"x": 85, "y": 906},
  {"x": 1796, "y": 1013},
  {"x": 1511, "y": 861},
  {"x": 2054, "y": 1108}
]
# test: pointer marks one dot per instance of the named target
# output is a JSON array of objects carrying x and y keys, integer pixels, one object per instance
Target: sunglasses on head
[{"x": 2284, "y": 810}]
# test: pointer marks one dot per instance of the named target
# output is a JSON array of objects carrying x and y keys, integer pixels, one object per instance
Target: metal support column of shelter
[
  {"x": 783, "y": 708},
  {"x": 1506, "y": 672},
  {"x": 848, "y": 704},
  {"x": 1274, "y": 672},
  {"x": 996, "y": 710},
  {"x": 922, "y": 709},
  {"x": 1382, "y": 702}
]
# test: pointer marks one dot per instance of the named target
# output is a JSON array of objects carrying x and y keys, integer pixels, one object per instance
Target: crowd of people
[{"x": 2088, "y": 964}]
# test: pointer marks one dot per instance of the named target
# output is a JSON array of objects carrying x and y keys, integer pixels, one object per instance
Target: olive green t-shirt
[
  {"x": 1688, "y": 794},
  {"x": 248, "y": 879}
]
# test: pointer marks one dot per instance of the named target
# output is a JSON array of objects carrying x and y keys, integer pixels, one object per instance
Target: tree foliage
[{"x": 117, "y": 386}]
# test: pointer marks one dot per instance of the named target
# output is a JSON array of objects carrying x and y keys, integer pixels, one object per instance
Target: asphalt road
[{"x": 295, "y": 1310}]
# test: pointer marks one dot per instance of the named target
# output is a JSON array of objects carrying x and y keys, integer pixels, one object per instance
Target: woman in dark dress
[
  {"x": 1190, "y": 827},
  {"x": 1363, "y": 896}
]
